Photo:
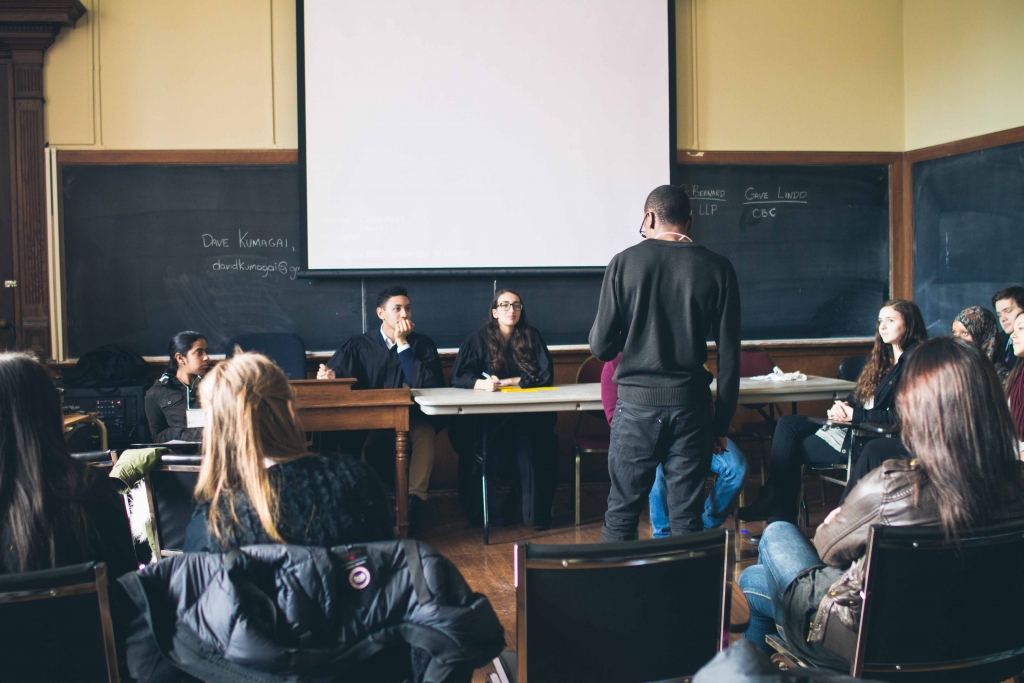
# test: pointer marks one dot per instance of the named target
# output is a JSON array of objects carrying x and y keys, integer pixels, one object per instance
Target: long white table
[
  {"x": 578, "y": 397},
  {"x": 575, "y": 397}
]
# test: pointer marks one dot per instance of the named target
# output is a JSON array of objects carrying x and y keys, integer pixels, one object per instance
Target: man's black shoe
[{"x": 761, "y": 509}]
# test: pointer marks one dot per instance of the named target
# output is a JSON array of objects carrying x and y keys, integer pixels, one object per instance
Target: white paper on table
[{"x": 777, "y": 375}]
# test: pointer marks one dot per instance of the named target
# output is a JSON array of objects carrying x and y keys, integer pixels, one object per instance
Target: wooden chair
[
  {"x": 55, "y": 625},
  {"x": 591, "y": 436},
  {"x": 638, "y": 611},
  {"x": 169, "y": 495},
  {"x": 937, "y": 611},
  {"x": 755, "y": 362}
]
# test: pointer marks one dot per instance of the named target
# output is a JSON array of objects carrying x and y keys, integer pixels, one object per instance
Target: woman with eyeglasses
[{"x": 507, "y": 352}]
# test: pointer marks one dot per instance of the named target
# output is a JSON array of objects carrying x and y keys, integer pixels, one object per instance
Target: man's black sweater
[{"x": 659, "y": 300}]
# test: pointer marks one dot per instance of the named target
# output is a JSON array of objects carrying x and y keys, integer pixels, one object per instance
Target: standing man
[
  {"x": 659, "y": 300},
  {"x": 1009, "y": 303},
  {"x": 390, "y": 357}
]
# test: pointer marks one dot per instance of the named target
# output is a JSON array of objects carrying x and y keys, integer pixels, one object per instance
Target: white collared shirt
[{"x": 389, "y": 342}]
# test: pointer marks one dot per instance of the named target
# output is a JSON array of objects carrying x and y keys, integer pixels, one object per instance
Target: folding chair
[
  {"x": 594, "y": 439},
  {"x": 55, "y": 625},
  {"x": 938, "y": 611},
  {"x": 169, "y": 495},
  {"x": 622, "y": 612}
]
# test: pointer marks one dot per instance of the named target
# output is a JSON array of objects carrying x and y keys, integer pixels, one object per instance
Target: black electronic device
[{"x": 122, "y": 411}]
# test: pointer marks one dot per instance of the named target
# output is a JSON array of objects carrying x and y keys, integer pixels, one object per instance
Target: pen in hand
[{"x": 486, "y": 376}]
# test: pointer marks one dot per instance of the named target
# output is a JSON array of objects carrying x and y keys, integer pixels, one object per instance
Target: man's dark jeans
[{"x": 677, "y": 437}]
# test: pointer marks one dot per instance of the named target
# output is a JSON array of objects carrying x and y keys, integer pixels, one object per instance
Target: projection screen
[{"x": 465, "y": 134}]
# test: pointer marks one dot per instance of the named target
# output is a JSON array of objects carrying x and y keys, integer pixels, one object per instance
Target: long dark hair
[
  {"x": 1018, "y": 367},
  {"x": 520, "y": 341},
  {"x": 957, "y": 425},
  {"x": 40, "y": 518},
  {"x": 180, "y": 343},
  {"x": 882, "y": 359}
]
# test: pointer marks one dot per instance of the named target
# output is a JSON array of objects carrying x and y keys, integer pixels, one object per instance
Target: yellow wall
[
  {"x": 844, "y": 75},
  {"x": 964, "y": 68},
  {"x": 799, "y": 75},
  {"x": 142, "y": 74}
]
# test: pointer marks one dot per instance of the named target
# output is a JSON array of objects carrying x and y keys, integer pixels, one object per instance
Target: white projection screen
[{"x": 493, "y": 134}]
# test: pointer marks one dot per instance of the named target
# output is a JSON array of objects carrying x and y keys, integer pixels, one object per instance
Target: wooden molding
[
  {"x": 58, "y": 12},
  {"x": 179, "y": 156},
  {"x": 27, "y": 29},
  {"x": 686, "y": 156},
  {"x": 997, "y": 139}
]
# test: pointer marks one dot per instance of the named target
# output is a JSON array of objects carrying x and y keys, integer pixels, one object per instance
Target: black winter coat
[
  {"x": 166, "y": 403},
  {"x": 290, "y": 613}
]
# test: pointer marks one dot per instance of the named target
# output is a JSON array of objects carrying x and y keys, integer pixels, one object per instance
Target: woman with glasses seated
[{"x": 507, "y": 352}]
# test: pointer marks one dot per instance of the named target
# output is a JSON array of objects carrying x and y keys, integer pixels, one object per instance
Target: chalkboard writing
[
  {"x": 154, "y": 249},
  {"x": 810, "y": 244},
  {"x": 968, "y": 231}
]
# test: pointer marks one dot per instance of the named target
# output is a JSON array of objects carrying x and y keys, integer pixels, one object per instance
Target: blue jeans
[
  {"x": 643, "y": 437},
  {"x": 782, "y": 554},
  {"x": 731, "y": 468}
]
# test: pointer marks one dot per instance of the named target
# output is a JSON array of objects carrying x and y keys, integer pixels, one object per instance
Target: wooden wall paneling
[
  {"x": 179, "y": 156},
  {"x": 9, "y": 300},
  {"x": 27, "y": 29},
  {"x": 901, "y": 226}
]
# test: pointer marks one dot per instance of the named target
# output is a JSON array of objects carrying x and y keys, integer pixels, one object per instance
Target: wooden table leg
[{"x": 402, "y": 483}]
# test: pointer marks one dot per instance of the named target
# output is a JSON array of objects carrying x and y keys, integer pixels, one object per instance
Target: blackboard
[
  {"x": 968, "y": 231},
  {"x": 152, "y": 249},
  {"x": 810, "y": 244}
]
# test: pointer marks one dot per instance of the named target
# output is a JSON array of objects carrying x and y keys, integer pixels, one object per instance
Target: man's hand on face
[{"x": 402, "y": 330}]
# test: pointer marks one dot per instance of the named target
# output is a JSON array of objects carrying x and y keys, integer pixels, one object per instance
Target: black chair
[
  {"x": 850, "y": 368},
  {"x": 622, "y": 612},
  {"x": 939, "y": 612},
  {"x": 55, "y": 626},
  {"x": 169, "y": 494},
  {"x": 287, "y": 350}
]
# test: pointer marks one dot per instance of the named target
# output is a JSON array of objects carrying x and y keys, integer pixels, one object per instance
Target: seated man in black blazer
[{"x": 389, "y": 357}]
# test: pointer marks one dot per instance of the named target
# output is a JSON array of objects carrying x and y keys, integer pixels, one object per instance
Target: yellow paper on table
[{"x": 509, "y": 390}]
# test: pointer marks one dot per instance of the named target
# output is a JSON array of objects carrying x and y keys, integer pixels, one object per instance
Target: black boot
[{"x": 764, "y": 507}]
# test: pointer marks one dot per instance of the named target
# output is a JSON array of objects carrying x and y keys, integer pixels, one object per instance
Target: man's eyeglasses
[
  {"x": 643, "y": 231},
  {"x": 505, "y": 305}
]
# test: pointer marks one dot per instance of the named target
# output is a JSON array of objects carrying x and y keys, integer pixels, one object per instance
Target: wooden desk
[{"x": 327, "y": 405}]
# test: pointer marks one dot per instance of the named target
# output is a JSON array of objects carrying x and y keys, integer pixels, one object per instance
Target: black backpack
[{"x": 108, "y": 367}]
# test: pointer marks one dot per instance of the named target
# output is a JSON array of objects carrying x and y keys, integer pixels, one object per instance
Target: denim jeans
[
  {"x": 782, "y": 554},
  {"x": 731, "y": 468},
  {"x": 643, "y": 437}
]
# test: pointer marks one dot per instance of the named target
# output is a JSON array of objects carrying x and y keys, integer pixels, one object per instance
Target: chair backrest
[
  {"x": 98, "y": 458},
  {"x": 590, "y": 371},
  {"x": 754, "y": 362},
  {"x": 169, "y": 492},
  {"x": 940, "y": 611},
  {"x": 625, "y": 612},
  {"x": 850, "y": 368},
  {"x": 55, "y": 626},
  {"x": 287, "y": 350}
]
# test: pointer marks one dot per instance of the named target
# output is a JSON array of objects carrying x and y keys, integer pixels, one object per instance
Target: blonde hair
[{"x": 248, "y": 402}]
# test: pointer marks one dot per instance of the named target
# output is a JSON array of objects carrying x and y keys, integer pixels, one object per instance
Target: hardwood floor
[{"x": 489, "y": 569}]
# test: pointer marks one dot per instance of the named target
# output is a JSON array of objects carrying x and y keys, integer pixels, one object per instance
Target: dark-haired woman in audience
[
  {"x": 258, "y": 483},
  {"x": 54, "y": 511},
  {"x": 980, "y": 327},
  {"x": 964, "y": 474},
  {"x": 1015, "y": 381},
  {"x": 508, "y": 352},
  {"x": 798, "y": 441},
  {"x": 174, "y": 393}
]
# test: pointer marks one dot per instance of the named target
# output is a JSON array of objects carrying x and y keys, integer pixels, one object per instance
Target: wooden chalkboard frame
[
  {"x": 947, "y": 149},
  {"x": 191, "y": 157}
]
